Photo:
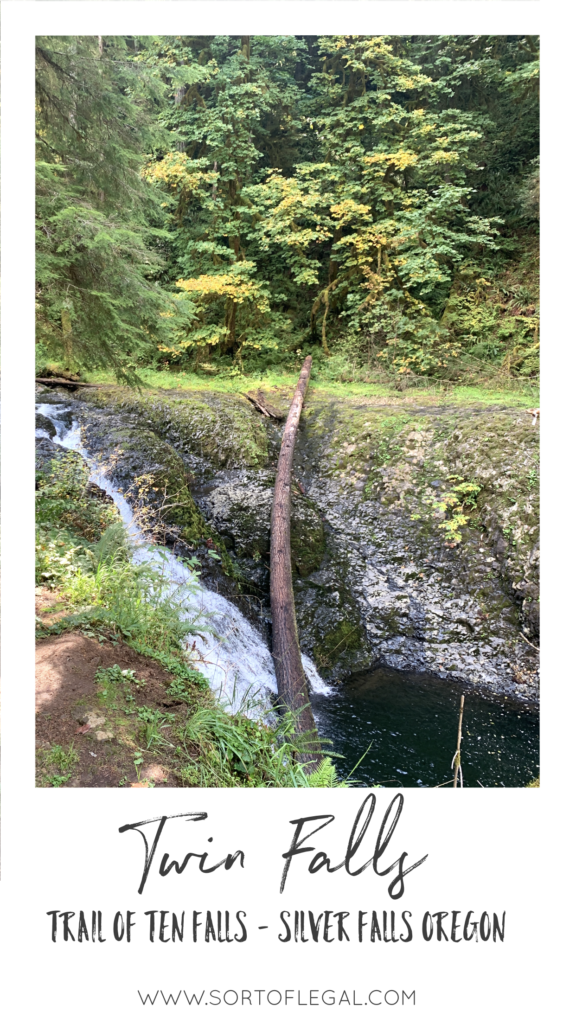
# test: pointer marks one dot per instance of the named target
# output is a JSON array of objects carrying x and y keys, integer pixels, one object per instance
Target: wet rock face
[
  {"x": 379, "y": 576},
  {"x": 149, "y": 471},
  {"x": 240, "y": 511},
  {"x": 43, "y": 423},
  {"x": 385, "y": 481}
]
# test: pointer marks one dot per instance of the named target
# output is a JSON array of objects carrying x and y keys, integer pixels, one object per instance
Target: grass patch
[
  {"x": 90, "y": 565},
  {"x": 56, "y": 765},
  {"x": 241, "y": 751},
  {"x": 516, "y": 393}
]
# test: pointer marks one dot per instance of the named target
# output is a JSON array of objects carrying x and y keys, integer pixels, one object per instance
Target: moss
[
  {"x": 223, "y": 429},
  {"x": 346, "y": 637},
  {"x": 160, "y": 478},
  {"x": 308, "y": 539}
]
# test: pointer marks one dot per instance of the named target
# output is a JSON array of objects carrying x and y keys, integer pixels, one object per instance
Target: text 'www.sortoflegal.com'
[{"x": 279, "y": 997}]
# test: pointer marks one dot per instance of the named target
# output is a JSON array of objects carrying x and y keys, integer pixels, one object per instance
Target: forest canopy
[{"x": 233, "y": 203}]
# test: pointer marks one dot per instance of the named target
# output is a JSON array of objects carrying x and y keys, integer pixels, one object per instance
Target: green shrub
[{"x": 63, "y": 499}]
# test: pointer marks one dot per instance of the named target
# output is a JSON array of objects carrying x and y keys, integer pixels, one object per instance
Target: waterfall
[{"x": 228, "y": 650}]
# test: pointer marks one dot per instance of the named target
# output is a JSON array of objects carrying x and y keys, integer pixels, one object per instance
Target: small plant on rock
[{"x": 452, "y": 504}]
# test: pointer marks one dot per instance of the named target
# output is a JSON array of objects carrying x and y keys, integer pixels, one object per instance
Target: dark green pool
[{"x": 411, "y": 722}]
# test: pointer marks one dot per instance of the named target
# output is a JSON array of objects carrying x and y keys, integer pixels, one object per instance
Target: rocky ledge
[{"x": 383, "y": 572}]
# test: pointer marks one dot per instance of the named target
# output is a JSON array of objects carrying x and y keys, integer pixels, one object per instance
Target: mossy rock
[
  {"x": 346, "y": 638},
  {"x": 307, "y": 536},
  {"x": 153, "y": 474},
  {"x": 240, "y": 511},
  {"x": 223, "y": 429}
]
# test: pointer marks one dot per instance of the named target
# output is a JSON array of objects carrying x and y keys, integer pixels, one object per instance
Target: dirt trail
[{"x": 67, "y": 693}]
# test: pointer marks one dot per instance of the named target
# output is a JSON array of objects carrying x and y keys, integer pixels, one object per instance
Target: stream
[{"x": 401, "y": 726}]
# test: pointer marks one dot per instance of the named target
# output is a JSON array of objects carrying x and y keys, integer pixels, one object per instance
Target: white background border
[{"x": 487, "y": 849}]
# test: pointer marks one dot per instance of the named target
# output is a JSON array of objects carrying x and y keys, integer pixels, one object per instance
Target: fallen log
[
  {"x": 292, "y": 684},
  {"x": 64, "y": 382}
]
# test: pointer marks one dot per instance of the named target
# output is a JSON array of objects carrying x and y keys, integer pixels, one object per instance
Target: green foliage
[
  {"x": 237, "y": 750},
  {"x": 216, "y": 200},
  {"x": 493, "y": 313},
  {"x": 229, "y": 738},
  {"x": 185, "y": 677},
  {"x": 115, "y": 686},
  {"x": 236, "y": 108},
  {"x": 498, "y": 78},
  {"x": 451, "y": 505},
  {"x": 57, "y": 765},
  {"x": 231, "y": 202},
  {"x": 324, "y": 776},
  {"x": 77, "y": 534},
  {"x": 57, "y": 558},
  {"x": 63, "y": 498},
  {"x": 373, "y": 211},
  {"x": 128, "y": 598},
  {"x": 152, "y": 721}
]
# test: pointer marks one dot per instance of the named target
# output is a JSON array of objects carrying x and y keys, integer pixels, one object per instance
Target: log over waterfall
[{"x": 292, "y": 684}]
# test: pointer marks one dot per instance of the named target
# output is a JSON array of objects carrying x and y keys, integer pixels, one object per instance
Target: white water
[{"x": 227, "y": 648}]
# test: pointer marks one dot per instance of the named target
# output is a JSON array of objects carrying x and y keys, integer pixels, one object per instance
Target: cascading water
[{"x": 227, "y": 648}]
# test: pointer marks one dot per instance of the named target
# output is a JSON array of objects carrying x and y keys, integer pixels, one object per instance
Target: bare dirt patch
[
  {"x": 49, "y": 606},
  {"x": 71, "y": 712}
]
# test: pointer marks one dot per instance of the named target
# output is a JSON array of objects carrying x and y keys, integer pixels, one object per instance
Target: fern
[{"x": 325, "y": 776}]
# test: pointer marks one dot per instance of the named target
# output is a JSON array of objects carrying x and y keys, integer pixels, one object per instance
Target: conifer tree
[{"x": 100, "y": 227}]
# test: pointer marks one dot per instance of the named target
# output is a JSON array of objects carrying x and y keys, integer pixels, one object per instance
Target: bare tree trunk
[
  {"x": 66, "y": 336},
  {"x": 178, "y": 97},
  {"x": 230, "y": 326},
  {"x": 292, "y": 685}
]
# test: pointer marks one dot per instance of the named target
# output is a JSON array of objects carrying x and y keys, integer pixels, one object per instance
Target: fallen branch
[
  {"x": 457, "y": 760},
  {"x": 530, "y": 644},
  {"x": 258, "y": 403},
  {"x": 292, "y": 684}
]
